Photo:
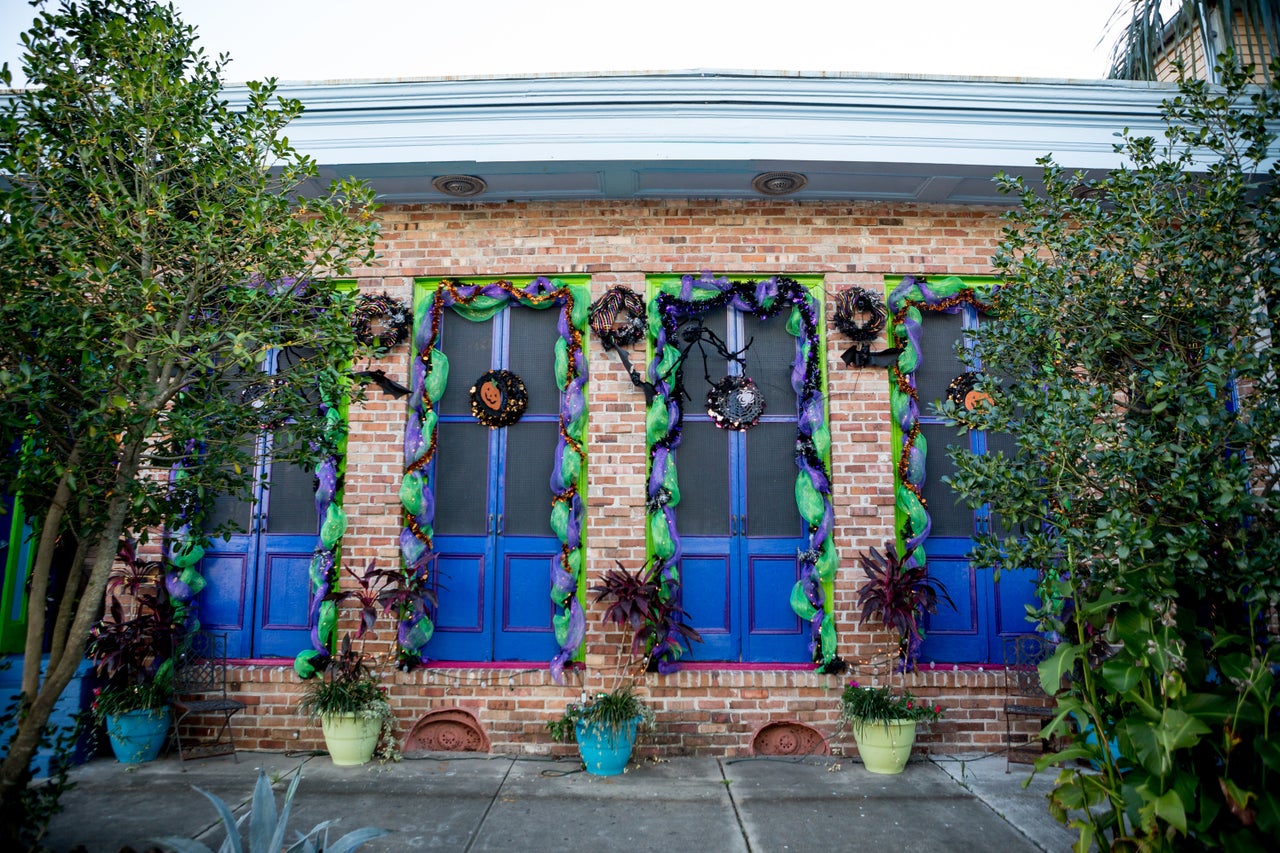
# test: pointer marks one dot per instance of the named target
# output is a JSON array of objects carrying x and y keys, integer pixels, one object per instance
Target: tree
[
  {"x": 1131, "y": 355},
  {"x": 154, "y": 247},
  {"x": 1149, "y": 45}
]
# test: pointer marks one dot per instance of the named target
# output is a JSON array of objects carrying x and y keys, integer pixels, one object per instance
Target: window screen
[
  {"x": 230, "y": 509},
  {"x": 531, "y": 356},
  {"x": 531, "y": 448},
  {"x": 462, "y": 481},
  {"x": 938, "y": 362},
  {"x": 702, "y": 464},
  {"x": 716, "y": 366},
  {"x": 949, "y": 517},
  {"x": 291, "y": 500},
  {"x": 771, "y": 479},
  {"x": 1001, "y": 442},
  {"x": 469, "y": 347},
  {"x": 769, "y": 361}
]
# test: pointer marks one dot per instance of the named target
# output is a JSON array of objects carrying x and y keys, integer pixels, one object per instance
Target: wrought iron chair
[
  {"x": 200, "y": 687},
  {"x": 1024, "y": 698}
]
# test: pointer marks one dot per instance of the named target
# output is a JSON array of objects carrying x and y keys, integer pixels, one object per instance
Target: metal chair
[
  {"x": 1024, "y": 697},
  {"x": 200, "y": 687}
]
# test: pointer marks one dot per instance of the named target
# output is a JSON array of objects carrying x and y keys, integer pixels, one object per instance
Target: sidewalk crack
[
  {"x": 737, "y": 815},
  {"x": 497, "y": 793}
]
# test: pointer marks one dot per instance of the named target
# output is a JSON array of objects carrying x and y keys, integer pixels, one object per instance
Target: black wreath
[
  {"x": 735, "y": 403},
  {"x": 859, "y": 314},
  {"x": 498, "y": 399},
  {"x": 961, "y": 388},
  {"x": 380, "y": 321},
  {"x": 618, "y": 317}
]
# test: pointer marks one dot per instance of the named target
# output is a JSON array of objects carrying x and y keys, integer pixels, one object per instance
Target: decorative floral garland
[
  {"x": 812, "y": 595},
  {"x": 906, "y": 302},
  {"x": 430, "y": 376}
]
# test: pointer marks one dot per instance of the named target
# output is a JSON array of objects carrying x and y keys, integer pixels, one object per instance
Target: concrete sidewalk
[{"x": 473, "y": 802}]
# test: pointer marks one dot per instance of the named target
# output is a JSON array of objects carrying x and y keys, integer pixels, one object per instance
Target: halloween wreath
[
  {"x": 859, "y": 314},
  {"x": 963, "y": 391},
  {"x": 498, "y": 399},
  {"x": 735, "y": 403},
  {"x": 618, "y": 317},
  {"x": 380, "y": 321}
]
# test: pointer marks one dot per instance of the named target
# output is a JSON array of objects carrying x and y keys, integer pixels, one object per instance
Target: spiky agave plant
[{"x": 268, "y": 830}]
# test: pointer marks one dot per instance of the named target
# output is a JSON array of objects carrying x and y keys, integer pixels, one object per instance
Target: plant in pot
[
  {"x": 133, "y": 649},
  {"x": 346, "y": 695},
  {"x": 883, "y": 720},
  {"x": 605, "y": 727},
  {"x": 884, "y": 724}
]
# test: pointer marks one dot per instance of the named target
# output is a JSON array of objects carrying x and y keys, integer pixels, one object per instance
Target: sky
[{"x": 380, "y": 39}]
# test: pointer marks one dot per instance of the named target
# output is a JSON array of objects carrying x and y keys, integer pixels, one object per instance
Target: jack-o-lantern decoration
[
  {"x": 498, "y": 399},
  {"x": 963, "y": 391}
]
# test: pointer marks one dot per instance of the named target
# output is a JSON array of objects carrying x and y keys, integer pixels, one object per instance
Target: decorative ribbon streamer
[
  {"x": 813, "y": 593},
  {"x": 479, "y": 302}
]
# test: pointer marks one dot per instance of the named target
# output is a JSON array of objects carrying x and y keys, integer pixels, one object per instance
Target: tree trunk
[
  {"x": 13, "y": 772},
  {"x": 38, "y": 583}
]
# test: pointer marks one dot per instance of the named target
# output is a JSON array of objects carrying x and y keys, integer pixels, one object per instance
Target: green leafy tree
[
  {"x": 1132, "y": 355},
  {"x": 155, "y": 246}
]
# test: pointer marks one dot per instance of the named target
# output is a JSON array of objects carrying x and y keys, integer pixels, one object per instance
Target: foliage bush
[
  {"x": 157, "y": 245},
  {"x": 1132, "y": 357}
]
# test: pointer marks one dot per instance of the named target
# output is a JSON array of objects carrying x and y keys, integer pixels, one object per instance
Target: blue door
[
  {"x": 986, "y": 609},
  {"x": 493, "y": 494},
  {"x": 739, "y": 526},
  {"x": 258, "y": 586}
]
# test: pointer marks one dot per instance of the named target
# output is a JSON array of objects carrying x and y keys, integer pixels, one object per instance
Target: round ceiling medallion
[
  {"x": 459, "y": 186},
  {"x": 778, "y": 183}
]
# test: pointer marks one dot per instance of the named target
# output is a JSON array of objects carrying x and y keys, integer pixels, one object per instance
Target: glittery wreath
[
  {"x": 498, "y": 399},
  {"x": 735, "y": 403},
  {"x": 963, "y": 391},
  {"x": 618, "y": 317},
  {"x": 858, "y": 313},
  {"x": 380, "y": 321}
]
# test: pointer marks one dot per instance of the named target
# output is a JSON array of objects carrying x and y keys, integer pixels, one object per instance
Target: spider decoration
[
  {"x": 498, "y": 399},
  {"x": 735, "y": 403},
  {"x": 380, "y": 321},
  {"x": 963, "y": 391},
  {"x": 860, "y": 315}
]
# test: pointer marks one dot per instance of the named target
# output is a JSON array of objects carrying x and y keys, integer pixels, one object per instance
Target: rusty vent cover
[
  {"x": 448, "y": 730},
  {"x": 787, "y": 737}
]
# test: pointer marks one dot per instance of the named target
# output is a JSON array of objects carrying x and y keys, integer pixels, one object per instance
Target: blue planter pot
[
  {"x": 138, "y": 736},
  {"x": 605, "y": 751}
]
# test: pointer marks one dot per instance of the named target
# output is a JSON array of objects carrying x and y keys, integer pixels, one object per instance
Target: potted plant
[
  {"x": 604, "y": 728},
  {"x": 884, "y": 724},
  {"x": 133, "y": 650},
  {"x": 651, "y": 611},
  {"x": 883, "y": 721},
  {"x": 346, "y": 696},
  {"x": 900, "y": 592}
]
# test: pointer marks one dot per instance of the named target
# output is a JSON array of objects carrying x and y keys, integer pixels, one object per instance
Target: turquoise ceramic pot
[
  {"x": 138, "y": 736},
  {"x": 604, "y": 750}
]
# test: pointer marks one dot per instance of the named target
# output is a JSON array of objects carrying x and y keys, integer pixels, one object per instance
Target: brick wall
[{"x": 698, "y": 711}]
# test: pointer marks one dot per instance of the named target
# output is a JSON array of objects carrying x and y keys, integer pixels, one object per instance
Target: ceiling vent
[
  {"x": 778, "y": 183},
  {"x": 460, "y": 186}
]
